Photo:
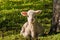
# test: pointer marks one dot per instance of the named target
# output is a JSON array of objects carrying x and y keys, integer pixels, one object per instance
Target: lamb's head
[{"x": 31, "y": 14}]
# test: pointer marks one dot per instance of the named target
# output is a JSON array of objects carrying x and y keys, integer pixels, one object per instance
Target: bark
[{"x": 56, "y": 17}]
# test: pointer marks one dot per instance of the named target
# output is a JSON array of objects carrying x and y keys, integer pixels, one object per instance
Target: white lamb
[{"x": 31, "y": 27}]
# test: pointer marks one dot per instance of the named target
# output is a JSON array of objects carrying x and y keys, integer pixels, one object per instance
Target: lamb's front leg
[
  {"x": 33, "y": 35},
  {"x": 23, "y": 28}
]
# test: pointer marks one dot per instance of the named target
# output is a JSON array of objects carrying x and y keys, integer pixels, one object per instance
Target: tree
[{"x": 56, "y": 17}]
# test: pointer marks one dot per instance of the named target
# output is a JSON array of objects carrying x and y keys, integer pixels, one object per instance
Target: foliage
[{"x": 10, "y": 11}]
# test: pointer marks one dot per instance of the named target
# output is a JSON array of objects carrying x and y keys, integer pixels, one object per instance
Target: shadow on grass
[{"x": 45, "y": 35}]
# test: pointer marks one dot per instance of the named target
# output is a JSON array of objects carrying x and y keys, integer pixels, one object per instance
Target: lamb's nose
[{"x": 32, "y": 19}]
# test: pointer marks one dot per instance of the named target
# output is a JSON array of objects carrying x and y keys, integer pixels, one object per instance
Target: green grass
[
  {"x": 14, "y": 35},
  {"x": 13, "y": 8},
  {"x": 18, "y": 37}
]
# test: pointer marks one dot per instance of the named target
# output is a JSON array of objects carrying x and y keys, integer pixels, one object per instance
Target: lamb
[{"x": 31, "y": 27}]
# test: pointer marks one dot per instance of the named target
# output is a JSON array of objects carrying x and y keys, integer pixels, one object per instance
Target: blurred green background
[{"x": 11, "y": 19}]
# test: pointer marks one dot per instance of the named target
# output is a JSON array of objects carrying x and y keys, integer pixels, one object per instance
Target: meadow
[{"x": 11, "y": 19}]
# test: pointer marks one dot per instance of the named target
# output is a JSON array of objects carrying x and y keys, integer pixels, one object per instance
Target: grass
[
  {"x": 18, "y": 37},
  {"x": 14, "y": 35}
]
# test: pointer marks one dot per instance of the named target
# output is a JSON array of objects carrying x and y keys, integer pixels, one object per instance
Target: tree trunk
[{"x": 56, "y": 17}]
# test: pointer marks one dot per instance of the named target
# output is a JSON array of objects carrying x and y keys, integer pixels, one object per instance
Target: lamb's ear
[
  {"x": 24, "y": 13},
  {"x": 38, "y": 11}
]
